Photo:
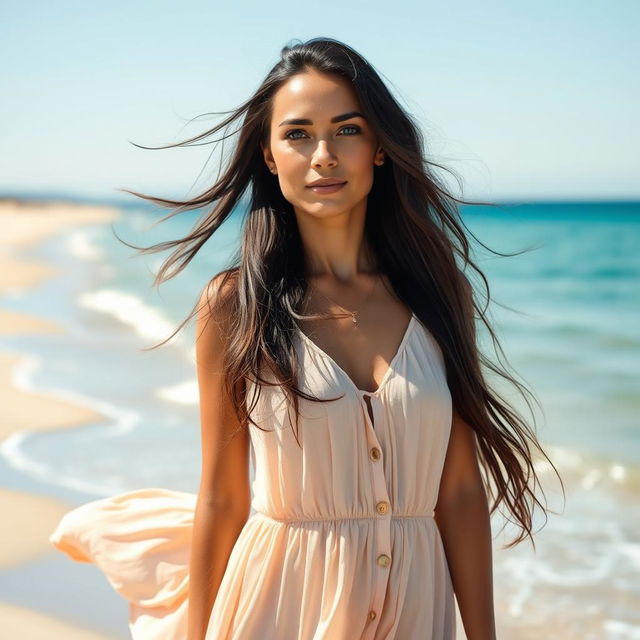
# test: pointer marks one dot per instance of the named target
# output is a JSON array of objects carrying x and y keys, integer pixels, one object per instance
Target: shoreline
[
  {"x": 43, "y": 325},
  {"x": 30, "y": 516}
]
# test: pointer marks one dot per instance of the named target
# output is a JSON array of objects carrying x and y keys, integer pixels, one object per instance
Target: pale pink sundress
[{"x": 341, "y": 543}]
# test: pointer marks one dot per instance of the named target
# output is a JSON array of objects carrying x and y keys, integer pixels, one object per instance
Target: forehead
[{"x": 313, "y": 95}]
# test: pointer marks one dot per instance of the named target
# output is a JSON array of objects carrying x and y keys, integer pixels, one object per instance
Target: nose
[{"x": 322, "y": 156}]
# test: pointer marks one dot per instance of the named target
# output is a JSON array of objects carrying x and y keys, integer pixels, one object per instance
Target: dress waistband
[{"x": 394, "y": 516}]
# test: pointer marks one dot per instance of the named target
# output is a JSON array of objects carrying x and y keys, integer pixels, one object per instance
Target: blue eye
[
  {"x": 349, "y": 126},
  {"x": 352, "y": 126},
  {"x": 288, "y": 134}
]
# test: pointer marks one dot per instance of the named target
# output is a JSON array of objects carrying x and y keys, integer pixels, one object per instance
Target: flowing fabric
[
  {"x": 341, "y": 542},
  {"x": 140, "y": 540}
]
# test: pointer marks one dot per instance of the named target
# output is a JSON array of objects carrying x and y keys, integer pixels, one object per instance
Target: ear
[
  {"x": 380, "y": 156},
  {"x": 268, "y": 157}
]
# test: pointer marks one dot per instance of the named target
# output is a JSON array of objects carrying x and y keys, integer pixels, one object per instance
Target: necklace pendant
[{"x": 353, "y": 318}]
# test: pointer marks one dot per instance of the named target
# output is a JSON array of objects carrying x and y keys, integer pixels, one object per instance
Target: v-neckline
[{"x": 387, "y": 373}]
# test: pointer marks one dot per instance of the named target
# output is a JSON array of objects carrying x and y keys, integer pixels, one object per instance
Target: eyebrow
[{"x": 344, "y": 116}]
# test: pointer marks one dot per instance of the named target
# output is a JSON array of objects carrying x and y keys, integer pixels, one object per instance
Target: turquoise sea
[{"x": 570, "y": 328}]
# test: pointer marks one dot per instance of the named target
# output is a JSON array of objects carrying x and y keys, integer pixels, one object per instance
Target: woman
[{"x": 339, "y": 354}]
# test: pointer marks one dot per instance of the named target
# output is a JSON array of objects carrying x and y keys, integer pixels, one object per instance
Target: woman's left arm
[{"x": 462, "y": 516}]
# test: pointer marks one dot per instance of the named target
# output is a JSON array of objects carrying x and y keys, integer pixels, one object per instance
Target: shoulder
[
  {"x": 217, "y": 298},
  {"x": 216, "y": 311}
]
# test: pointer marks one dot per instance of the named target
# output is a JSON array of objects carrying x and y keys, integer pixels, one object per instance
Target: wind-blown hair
[{"x": 418, "y": 239}]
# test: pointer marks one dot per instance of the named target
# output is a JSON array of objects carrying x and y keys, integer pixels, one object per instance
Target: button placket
[{"x": 382, "y": 512}]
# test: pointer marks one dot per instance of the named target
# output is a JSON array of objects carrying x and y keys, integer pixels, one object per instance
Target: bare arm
[
  {"x": 223, "y": 503},
  {"x": 462, "y": 515}
]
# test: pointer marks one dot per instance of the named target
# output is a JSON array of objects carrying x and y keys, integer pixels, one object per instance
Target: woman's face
[{"x": 305, "y": 145}]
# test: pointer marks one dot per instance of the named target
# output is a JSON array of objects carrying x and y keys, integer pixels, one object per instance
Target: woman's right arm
[{"x": 224, "y": 495}]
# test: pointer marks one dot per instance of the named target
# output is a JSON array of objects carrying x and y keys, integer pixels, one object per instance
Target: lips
[
  {"x": 327, "y": 188},
  {"x": 326, "y": 182}
]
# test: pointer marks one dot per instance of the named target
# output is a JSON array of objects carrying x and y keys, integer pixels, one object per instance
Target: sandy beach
[{"x": 29, "y": 518}]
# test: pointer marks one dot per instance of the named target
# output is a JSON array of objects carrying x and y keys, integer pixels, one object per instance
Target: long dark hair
[{"x": 418, "y": 237}]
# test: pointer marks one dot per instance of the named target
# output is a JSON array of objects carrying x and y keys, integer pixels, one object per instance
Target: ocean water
[{"x": 569, "y": 326}]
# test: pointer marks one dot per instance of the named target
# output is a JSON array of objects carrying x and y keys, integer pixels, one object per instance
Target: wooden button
[
  {"x": 374, "y": 453},
  {"x": 384, "y": 560},
  {"x": 382, "y": 507},
  {"x": 372, "y": 615}
]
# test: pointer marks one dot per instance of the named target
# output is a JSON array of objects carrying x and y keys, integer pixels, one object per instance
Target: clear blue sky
[{"x": 525, "y": 100}]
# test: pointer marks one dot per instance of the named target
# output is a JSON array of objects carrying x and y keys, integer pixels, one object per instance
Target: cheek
[
  {"x": 292, "y": 184},
  {"x": 361, "y": 157},
  {"x": 290, "y": 161},
  {"x": 362, "y": 164}
]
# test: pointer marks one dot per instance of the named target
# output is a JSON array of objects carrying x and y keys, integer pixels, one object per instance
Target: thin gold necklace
[{"x": 353, "y": 314}]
